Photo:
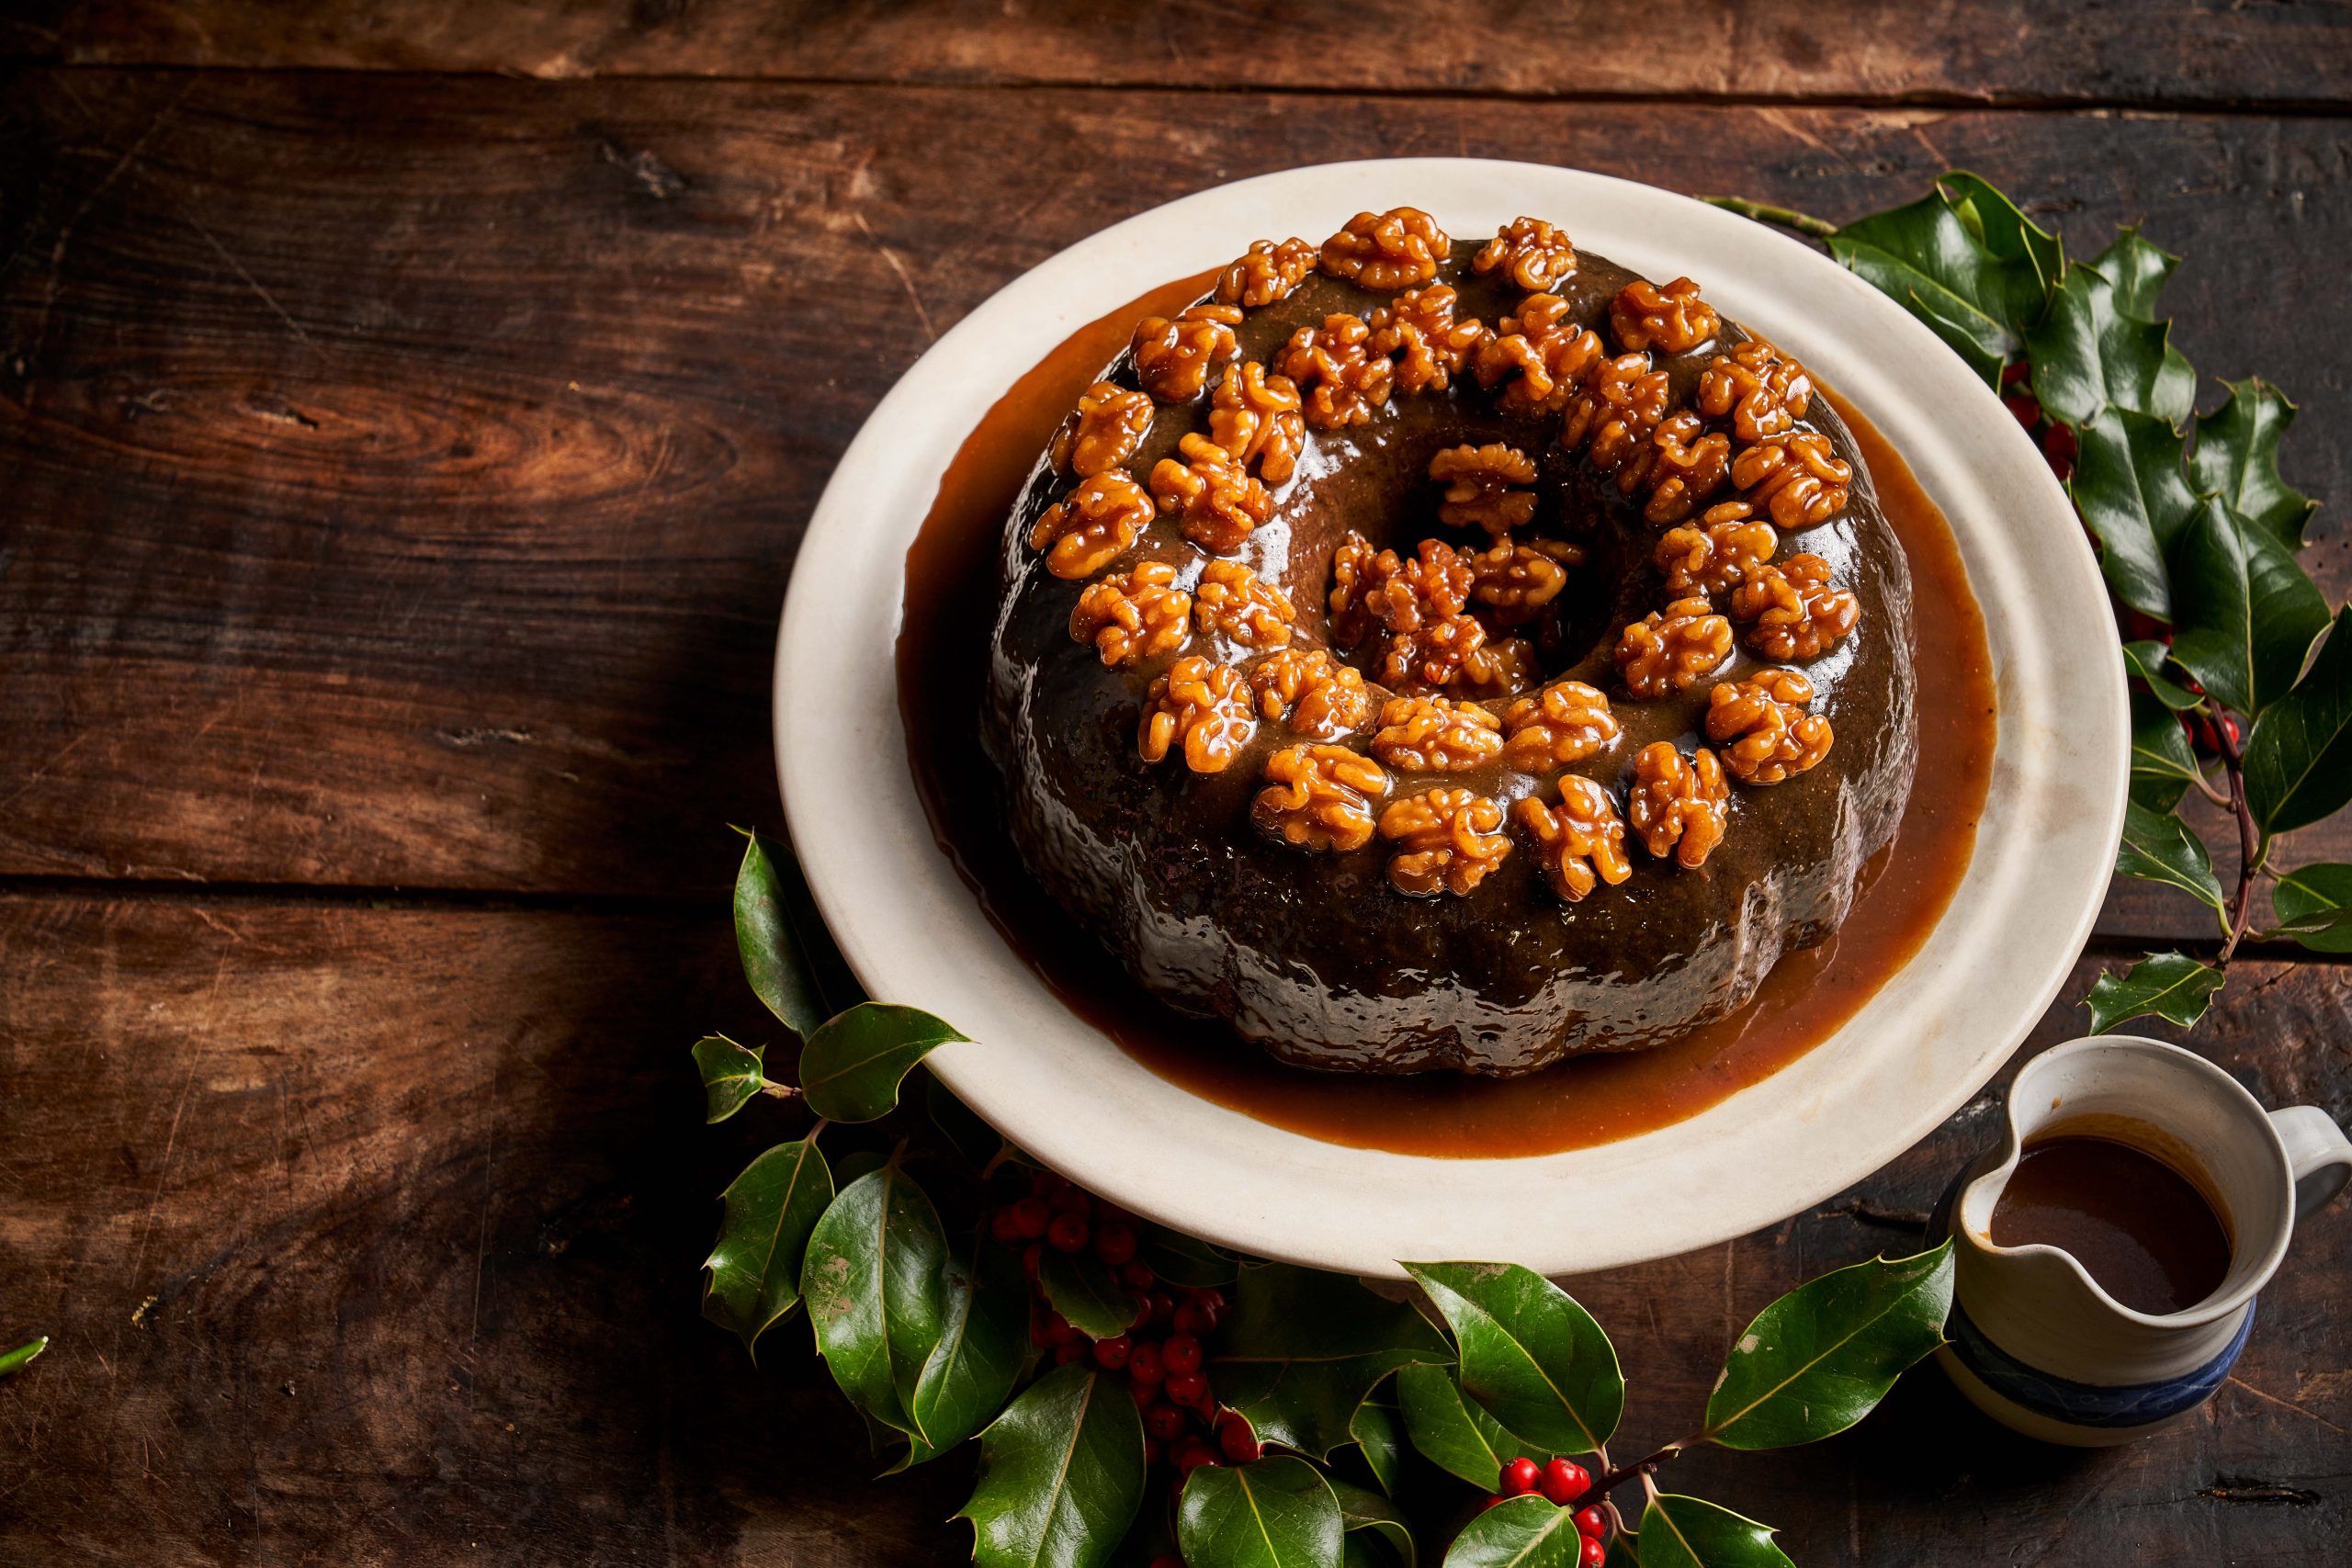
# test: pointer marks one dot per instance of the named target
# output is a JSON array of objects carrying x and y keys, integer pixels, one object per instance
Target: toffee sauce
[
  {"x": 941, "y": 657},
  {"x": 2143, "y": 1231}
]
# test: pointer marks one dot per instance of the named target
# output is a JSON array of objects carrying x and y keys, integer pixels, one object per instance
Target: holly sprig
[
  {"x": 2197, "y": 534},
  {"x": 976, "y": 1310}
]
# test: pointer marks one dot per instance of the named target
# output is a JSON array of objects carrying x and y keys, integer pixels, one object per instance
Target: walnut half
[
  {"x": 1566, "y": 722},
  {"x": 1673, "y": 649},
  {"x": 1763, "y": 726},
  {"x": 1799, "y": 614},
  {"x": 1319, "y": 798},
  {"x": 1090, "y": 527},
  {"x": 1203, "y": 707},
  {"x": 1447, "y": 840},
  {"x": 1679, "y": 804},
  {"x": 1433, "y": 735},
  {"x": 1132, "y": 614},
  {"x": 1484, "y": 486},
  {"x": 1311, "y": 691},
  {"x": 1395, "y": 249},
  {"x": 1581, "y": 840}
]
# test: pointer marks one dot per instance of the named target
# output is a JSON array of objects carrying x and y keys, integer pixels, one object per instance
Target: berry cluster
[
  {"x": 1163, "y": 1352},
  {"x": 1564, "y": 1482},
  {"x": 2057, "y": 441}
]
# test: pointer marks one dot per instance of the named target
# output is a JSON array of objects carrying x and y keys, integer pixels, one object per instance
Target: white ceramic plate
[{"x": 1067, "y": 1093}]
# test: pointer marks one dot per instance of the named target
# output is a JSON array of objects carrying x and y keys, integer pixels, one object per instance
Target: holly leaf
[
  {"x": 1529, "y": 1352},
  {"x": 1183, "y": 1260},
  {"x": 2299, "y": 754},
  {"x": 1821, "y": 1358},
  {"x": 1083, "y": 1289},
  {"x": 2163, "y": 767},
  {"x": 852, "y": 1065},
  {"x": 2156, "y": 847},
  {"x": 2087, "y": 353},
  {"x": 2245, "y": 613},
  {"x": 2010, "y": 236},
  {"x": 2138, "y": 270},
  {"x": 2237, "y": 459},
  {"x": 1304, "y": 1347},
  {"x": 2314, "y": 907},
  {"x": 2167, "y": 984},
  {"x": 787, "y": 955},
  {"x": 1929, "y": 259},
  {"x": 753, "y": 1275},
  {"x": 17, "y": 1359},
  {"x": 1455, "y": 1433},
  {"x": 1362, "y": 1509},
  {"x": 1061, "y": 1473},
  {"x": 875, "y": 1279},
  {"x": 2147, "y": 659},
  {"x": 1374, "y": 1427},
  {"x": 983, "y": 1338},
  {"x": 1528, "y": 1531},
  {"x": 1276, "y": 1513},
  {"x": 1683, "y": 1532},
  {"x": 731, "y": 1075},
  {"x": 2131, "y": 492}
]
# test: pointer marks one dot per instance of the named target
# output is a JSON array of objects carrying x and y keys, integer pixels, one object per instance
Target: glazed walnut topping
[
  {"x": 1419, "y": 333},
  {"x": 1447, "y": 841},
  {"x": 1105, "y": 432},
  {"x": 1673, "y": 649},
  {"x": 1203, "y": 707},
  {"x": 1799, "y": 614},
  {"x": 1566, "y": 722},
  {"x": 1479, "y": 487},
  {"x": 1501, "y": 668},
  {"x": 1762, "y": 726},
  {"x": 1333, "y": 365},
  {"x": 1764, "y": 393},
  {"x": 1431, "y": 735},
  {"x": 1133, "y": 614},
  {"x": 1612, "y": 413},
  {"x": 1722, "y": 550},
  {"x": 1219, "y": 500},
  {"x": 1266, "y": 272},
  {"x": 1319, "y": 798},
  {"x": 1797, "y": 477},
  {"x": 1311, "y": 691},
  {"x": 1173, "y": 359},
  {"x": 1236, "y": 604},
  {"x": 1581, "y": 840},
  {"x": 1400, "y": 593},
  {"x": 1395, "y": 249},
  {"x": 1540, "y": 358},
  {"x": 1686, "y": 466},
  {"x": 1673, "y": 318},
  {"x": 1256, "y": 417},
  {"x": 1530, "y": 254},
  {"x": 1515, "y": 581},
  {"x": 1679, "y": 802},
  {"x": 1088, "y": 529}
]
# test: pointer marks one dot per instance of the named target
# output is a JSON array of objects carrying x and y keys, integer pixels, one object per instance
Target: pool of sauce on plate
[
  {"x": 942, "y": 660},
  {"x": 2143, "y": 1230}
]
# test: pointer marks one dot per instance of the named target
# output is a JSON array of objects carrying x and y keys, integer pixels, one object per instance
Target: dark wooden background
[{"x": 408, "y": 411}]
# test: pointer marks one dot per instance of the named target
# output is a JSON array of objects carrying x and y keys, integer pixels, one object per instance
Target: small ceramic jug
[{"x": 2033, "y": 1340}]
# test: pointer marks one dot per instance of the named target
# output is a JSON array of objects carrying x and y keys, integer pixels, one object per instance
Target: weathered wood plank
[
  {"x": 2201, "y": 51},
  {"x": 370, "y": 1236},
  {"x": 404, "y": 474}
]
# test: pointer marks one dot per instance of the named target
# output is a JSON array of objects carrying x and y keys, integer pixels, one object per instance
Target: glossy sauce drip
[
  {"x": 942, "y": 657},
  {"x": 2141, "y": 1229}
]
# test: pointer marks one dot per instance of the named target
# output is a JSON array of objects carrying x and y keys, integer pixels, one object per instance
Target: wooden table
[{"x": 407, "y": 412}]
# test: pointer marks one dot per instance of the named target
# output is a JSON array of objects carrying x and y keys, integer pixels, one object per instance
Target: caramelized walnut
[
  {"x": 1479, "y": 483},
  {"x": 1133, "y": 614},
  {"x": 1502, "y": 667},
  {"x": 1173, "y": 359},
  {"x": 1540, "y": 358},
  {"x": 1088, "y": 529},
  {"x": 1679, "y": 802},
  {"x": 1319, "y": 798},
  {"x": 1333, "y": 365},
  {"x": 1236, "y": 604},
  {"x": 1400, "y": 593},
  {"x": 1105, "y": 432},
  {"x": 1515, "y": 581},
  {"x": 1530, "y": 253},
  {"x": 1447, "y": 841},
  {"x": 1799, "y": 477},
  {"x": 1203, "y": 706},
  {"x": 1418, "y": 333},
  {"x": 1311, "y": 691},
  {"x": 1685, "y": 468},
  {"x": 1431, "y": 735},
  {"x": 1581, "y": 840},
  {"x": 1266, "y": 272},
  {"x": 1799, "y": 614},
  {"x": 1256, "y": 417},
  {"x": 1673, "y": 649},
  {"x": 1673, "y": 318},
  {"x": 1452, "y": 653},
  {"x": 1764, "y": 393},
  {"x": 1219, "y": 500},
  {"x": 1566, "y": 722},
  {"x": 1722, "y": 550},
  {"x": 1762, "y": 726},
  {"x": 1612, "y": 413},
  {"x": 1395, "y": 249}
]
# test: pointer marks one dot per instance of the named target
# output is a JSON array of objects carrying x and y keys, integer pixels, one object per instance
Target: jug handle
[{"x": 2318, "y": 1150}]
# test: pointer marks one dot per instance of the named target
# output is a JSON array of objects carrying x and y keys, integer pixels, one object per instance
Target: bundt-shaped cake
[{"x": 1432, "y": 654}]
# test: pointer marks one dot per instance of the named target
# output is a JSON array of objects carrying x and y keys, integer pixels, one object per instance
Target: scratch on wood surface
[
  {"x": 1781, "y": 120},
  {"x": 900, "y": 267},
  {"x": 252, "y": 282},
  {"x": 2284, "y": 1404}
]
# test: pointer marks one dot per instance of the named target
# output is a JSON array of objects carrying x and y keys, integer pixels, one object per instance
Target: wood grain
[
  {"x": 2201, "y": 53},
  {"x": 404, "y": 473},
  {"x": 370, "y": 1236}
]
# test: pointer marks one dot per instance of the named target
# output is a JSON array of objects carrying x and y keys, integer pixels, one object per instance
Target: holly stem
[
  {"x": 1763, "y": 212},
  {"x": 2241, "y": 915},
  {"x": 781, "y": 1090},
  {"x": 1617, "y": 1475}
]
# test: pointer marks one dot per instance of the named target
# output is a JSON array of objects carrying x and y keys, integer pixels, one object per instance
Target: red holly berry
[
  {"x": 1070, "y": 1200},
  {"x": 1593, "y": 1521},
  {"x": 1112, "y": 1354},
  {"x": 1031, "y": 1257},
  {"x": 1003, "y": 1227},
  {"x": 1060, "y": 1330},
  {"x": 2013, "y": 372},
  {"x": 1066, "y": 1234},
  {"x": 2027, "y": 412},
  {"x": 1190, "y": 1454},
  {"x": 1520, "y": 1477},
  {"x": 1167, "y": 1560},
  {"x": 1592, "y": 1553},
  {"x": 1235, "y": 1437},
  {"x": 1145, "y": 1395},
  {"x": 1565, "y": 1481},
  {"x": 2058, "y": 443},
  {"x": 1164, "y": 1422},
  {"x": 1030, "y": 1217},
  {"x": 1491, "y": 1502},
  {"x": 1189, "y": 1318},
  {"x": 1137, "y": 1275},
  {"x": 1037, "y": 1333},
  {"x": 1076, "y": 1350},
  {"x": 1144, "y": 1364},
  {"x": 1158, "y": 1308},
  {"x": 1151, "y": 1452},
  {"x": 1188, "y": 1388},
  {"x": 1114, "y": 1243},
  {"x": 1044, "y": 1183},
  {"x": 1181, "y": 1353}
]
